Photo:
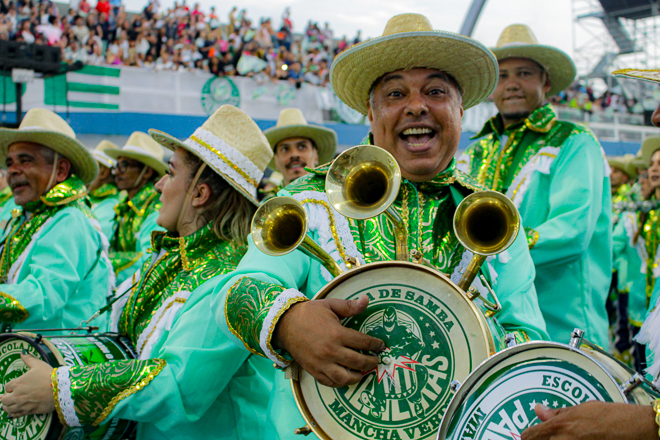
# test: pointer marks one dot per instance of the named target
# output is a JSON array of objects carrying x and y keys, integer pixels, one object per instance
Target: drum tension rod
[
  {"x": 305, "y": 430},
  {"x": 632, "y": 383},
  {"x": 576, "y": 338},
  {"x": 38, "y": 338}
]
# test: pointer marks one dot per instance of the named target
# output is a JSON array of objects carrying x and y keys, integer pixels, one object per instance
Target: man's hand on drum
[
  {"x": 311, "y": 332},
  {"x": 594, "y": 421},
  {"x": 31, "y": 393}
]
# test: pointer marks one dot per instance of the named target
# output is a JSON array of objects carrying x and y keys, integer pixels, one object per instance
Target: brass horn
[
  {"x": 280, "y": 225},
  {"x": 486, "y": 223},
  {"x": 361, "y": 183}
]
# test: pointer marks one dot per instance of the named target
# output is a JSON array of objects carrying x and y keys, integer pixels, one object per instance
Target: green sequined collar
[
  {"x": 541, "y": 120},
  {"x": 193, "y": 248},
  {"x": 141, "y": 200},
  {"x": 63, "y": 193},
  {"x": 103, "y": 191}
]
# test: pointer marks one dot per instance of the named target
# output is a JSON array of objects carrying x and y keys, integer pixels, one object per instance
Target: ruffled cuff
[
  {"x": 253, "y": 309},
  {"x": 11, "y": 309},
  {"x": 86, "y": 395},
  {"x": 532, "y": 237}
]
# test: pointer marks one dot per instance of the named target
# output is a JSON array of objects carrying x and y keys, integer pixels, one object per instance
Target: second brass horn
[
  {"x": 486, "y": 223},
  {"x": 362, "y": 182},
  {"x": 280, "y": 226}
]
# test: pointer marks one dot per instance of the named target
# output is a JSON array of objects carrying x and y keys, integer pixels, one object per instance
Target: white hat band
[
  {"x": 226, "y": 159},
  {"x": 104, "y": 159},
  {"x": 32, "y": 127}
]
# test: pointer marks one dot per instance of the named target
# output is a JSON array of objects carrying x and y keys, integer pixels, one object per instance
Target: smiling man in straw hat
[
  {"x": 103, "y": 192},
  {"x": 297, "y": 145},
  {"x": 525, "y": 153},
  {"x": 413, "y": 83},
  {"x": 139, "y": 166},
  {"x": 54, "y": 268},
  {"x": 612, "y": 421}
]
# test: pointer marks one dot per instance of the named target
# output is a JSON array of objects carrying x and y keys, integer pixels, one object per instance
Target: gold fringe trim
[
  {"x": 17, "y": 304},
  {"x": 333, "y": 227},
  {"x": 56, "y": 396},
  {"x": 284, "y": 308},
  {"x": 132, "y": 390}
]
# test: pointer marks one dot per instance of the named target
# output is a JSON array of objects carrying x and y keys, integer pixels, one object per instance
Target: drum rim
[
  {"x": 468, "y": 384},
  {"x": 325, "y": 290}
]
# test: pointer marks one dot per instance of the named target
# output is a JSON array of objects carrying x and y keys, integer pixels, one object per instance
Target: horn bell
[{"x": 279, "y": 226}]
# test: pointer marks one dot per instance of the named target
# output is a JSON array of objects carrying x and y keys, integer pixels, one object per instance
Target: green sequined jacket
[{"x": 150, "y": 299}]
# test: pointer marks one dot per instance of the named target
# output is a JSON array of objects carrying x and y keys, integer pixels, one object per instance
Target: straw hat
[
  {"x": 232, "y": 144},
  {"x": 625, "y": 164},
  {"x": 651, "y": 75},
  {"x": 650, "y": 145},
  {"x": 46, "y": 128},
  {"x": 99, "y": 153},
  {"x": 639, "y": 164},
  {"x": 408, "y": 42},
  {"x": 292, "y": 124},
  {"x": 518, "y": 41},
  {"x": 142, "y": 148}
]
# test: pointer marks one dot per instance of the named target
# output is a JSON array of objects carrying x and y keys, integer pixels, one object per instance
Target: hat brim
[
  {"x": 559, "y": 66},
  {"x": 649, "y": 146},
  {"x": 172, "y": 143},
  {"x": 650, "y": 75},
  {"x": 325, "y": 139},
  {"x": 145, "y": 159},
  {"x": 625, "y": 166},
  {"x": 469, "y": 62},
  {"x": 83, "y": 164}
]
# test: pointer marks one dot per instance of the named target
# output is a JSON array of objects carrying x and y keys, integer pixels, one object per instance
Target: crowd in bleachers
[{"x": 176, "y": 38}]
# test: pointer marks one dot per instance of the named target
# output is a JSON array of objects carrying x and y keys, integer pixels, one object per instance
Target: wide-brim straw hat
[
  {"x": 100, "y": 155},
  {"x": 292, "y": 124},
  {"x": 142, "y": 148},
  {"x": 650, "y": 145},
  {"x": 518, "y": 41},
  {"x": 650, "y": 75},
  {"x": 624, "y": 163},
  {"x": 409, "y": 42},
  {"x": 46, "y": 128},
  {"x": 232, "y": 144}
]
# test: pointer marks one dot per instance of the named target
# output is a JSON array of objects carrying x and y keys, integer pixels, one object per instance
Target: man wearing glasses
[{"x": 139, "y": 165}]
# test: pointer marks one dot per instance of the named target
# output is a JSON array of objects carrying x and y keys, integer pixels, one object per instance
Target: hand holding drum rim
[
  {"x": 312, "y": 333},
  {"x": 594, "y": 421},
  {"x": 31, "y": 393}
]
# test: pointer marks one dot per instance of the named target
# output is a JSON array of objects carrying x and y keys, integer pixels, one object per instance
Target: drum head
[
  {"x": 497, "y": 400},
  {"x": 433, "y": 334},
  {"x": 33, "y": 427}
]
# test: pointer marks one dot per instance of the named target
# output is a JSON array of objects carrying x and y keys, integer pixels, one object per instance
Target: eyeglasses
[{"x": 124, "y": 165}]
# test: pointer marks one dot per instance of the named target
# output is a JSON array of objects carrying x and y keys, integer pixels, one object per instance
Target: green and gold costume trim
[
  {"x": 129, "y": 216},
  {"x": 495, "y": 165},
  {"x": 56, "y": 395},
  {"x": 103, "y": 192},
  {"x": 71, "y": 192},
  {"x": 650, "y": 231},
  {"x": 532, "y": 237},
  {"x": 5, "y": 195},
  {"x": 11, "y": 309}
]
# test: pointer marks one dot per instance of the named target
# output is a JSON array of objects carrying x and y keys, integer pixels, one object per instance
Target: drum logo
[
  {"x": 503, "y": 406},
  {"x": 12, "y": 367},
  {"x": 406, "y": 395}
]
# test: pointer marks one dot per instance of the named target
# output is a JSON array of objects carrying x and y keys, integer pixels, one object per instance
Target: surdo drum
[
  {"x": 59, "y": 351},
  {"x": 497, "y": 400}
]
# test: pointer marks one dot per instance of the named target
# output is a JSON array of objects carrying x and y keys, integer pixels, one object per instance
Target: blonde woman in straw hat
[
  {"x": 103, "y": 192},
  {"x": 54, "y": 268},
  {"x": 298, "y": 144},
  {"x": 413, "y": 83},
  {"x": 139, "y": 166},
  {"x": 527, "y": 154},
  {"x": 599, "y": 420},
  {"x": 190, "y": 380}
]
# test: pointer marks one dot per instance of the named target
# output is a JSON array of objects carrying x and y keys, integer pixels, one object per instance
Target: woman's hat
[
  {"x": 46, "y": 128},
  {"x": 650, "y": 75},
  {"x": 292, "y": 124},
  {"x": 624, "y": 163},
  {"x": 101, "y": 157},
  {"x": 142, "y": 148},
  {"x": 518, "y": 41},
  {"x": 409, "y": 42},
  {"x": 231, "y": 143}
]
